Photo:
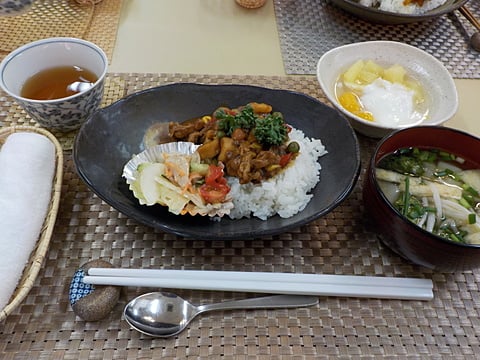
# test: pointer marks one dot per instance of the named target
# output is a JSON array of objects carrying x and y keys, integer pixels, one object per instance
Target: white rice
[
  {"x": 285, "y": 194},
  {"x": 397, "y": 6}
]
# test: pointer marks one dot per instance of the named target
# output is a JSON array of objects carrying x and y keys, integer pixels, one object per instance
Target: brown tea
[{"x": 58, "y": 82}]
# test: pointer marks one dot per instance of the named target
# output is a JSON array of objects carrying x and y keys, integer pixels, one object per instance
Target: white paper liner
[{"x": 155, "y": 154}]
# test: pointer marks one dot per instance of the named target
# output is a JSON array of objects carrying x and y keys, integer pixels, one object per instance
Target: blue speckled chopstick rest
[
  {"x": 78, "y": 289},
  {"x": 92, "y": 302}
]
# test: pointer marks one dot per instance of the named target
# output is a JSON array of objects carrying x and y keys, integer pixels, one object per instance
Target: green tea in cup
[{"x": 58, "y": 82}]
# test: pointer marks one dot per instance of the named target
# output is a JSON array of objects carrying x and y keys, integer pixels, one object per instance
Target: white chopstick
[
  {"x": 263, "y": 276},
  {"x": 275, "y": 283}
]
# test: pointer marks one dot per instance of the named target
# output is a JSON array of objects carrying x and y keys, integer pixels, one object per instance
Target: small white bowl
[{"x": 435, "y": 79}]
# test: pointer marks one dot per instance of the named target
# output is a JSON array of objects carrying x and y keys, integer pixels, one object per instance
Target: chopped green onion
[
  {"x": 472, "y": 201},
  {"x": 432, "y": 158},
  {"x": 446, "y": 155},
  {"x": 455, "y": 237},
  {"x": 446, "y": 172},
  {"x": 406, "y": 196},
  {"x": 440, "y": 173},
  {"x": 470, "y": 190},
  {"x": 472, "y": 218},
  {"x": 450, "y": 234},
  {"x": 464, "y": 202},
  {"x": 415, "y": 214}
]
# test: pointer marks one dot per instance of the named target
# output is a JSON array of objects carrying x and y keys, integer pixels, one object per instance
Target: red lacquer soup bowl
[{"x": 394, "y": 229}]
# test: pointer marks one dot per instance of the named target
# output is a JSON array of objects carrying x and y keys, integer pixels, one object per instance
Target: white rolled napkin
[{"x": 27, "y": 167}]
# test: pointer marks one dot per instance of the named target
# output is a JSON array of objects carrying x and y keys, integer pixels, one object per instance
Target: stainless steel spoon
[
  {"x": 475, "y": 38},
  {"x": 163, "y": 314}
]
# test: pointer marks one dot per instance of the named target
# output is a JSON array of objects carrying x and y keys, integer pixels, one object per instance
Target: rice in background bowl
[
  {"x": 378, "y": 16},
  {"x": 403, "y": 6}
]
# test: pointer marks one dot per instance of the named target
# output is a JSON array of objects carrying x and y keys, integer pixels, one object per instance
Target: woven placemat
[
  {"x": 114, "y": 90},
  {"x": 97, "y": 23},
  {"x": 309, "y": 28},
  {"x": 44, "y": 326}
]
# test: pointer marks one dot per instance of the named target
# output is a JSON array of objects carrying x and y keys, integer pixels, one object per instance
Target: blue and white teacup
[
  {"x": 63, "y": 114},
  {"x": 14, "y": 7}
]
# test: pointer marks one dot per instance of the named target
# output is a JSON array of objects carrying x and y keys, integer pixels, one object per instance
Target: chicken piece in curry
[{"x": 251, "y": 141}]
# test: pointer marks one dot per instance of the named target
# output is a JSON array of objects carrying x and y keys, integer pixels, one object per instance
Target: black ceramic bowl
[
  {"x": 107, "y": 141},
  {"x": 387, "y": 17},
  {"x": 396, "y": 231}
]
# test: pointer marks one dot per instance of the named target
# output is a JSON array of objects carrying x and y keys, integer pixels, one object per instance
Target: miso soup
[{"x": 432, "y": 189}]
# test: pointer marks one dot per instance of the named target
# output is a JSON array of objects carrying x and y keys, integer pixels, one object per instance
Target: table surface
[
  {"x": 198, "y": 41},
  {"x": 206, "y": 38}
]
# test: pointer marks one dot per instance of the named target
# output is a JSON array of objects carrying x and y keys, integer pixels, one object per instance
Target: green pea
[{"x": 293, "y": 147}]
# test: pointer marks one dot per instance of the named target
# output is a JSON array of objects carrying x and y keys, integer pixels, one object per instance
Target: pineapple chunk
[
  {"x": 372, "y": 67},
  {"x": 367, "y": 77},
  {"x": 350, "y": 76},
  {"x": 395, "y": 74}
]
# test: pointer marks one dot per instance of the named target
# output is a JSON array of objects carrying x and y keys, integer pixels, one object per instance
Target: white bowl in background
[{"x": 435, "y": 79}]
